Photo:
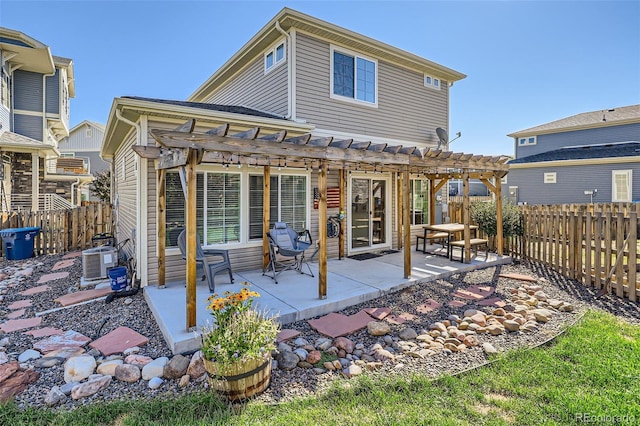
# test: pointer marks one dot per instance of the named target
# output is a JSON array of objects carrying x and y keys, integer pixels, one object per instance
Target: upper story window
[
  {"x": 529, "y": 140},
  {"x": 353, "y": 77},
  {"x": 274, "y": 56},
  {"x": 432, "y": 82}
]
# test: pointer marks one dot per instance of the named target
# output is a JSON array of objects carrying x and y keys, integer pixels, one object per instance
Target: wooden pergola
[{"x": 181, "y": 148}]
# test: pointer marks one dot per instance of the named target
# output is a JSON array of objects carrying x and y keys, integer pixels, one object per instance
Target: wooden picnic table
[{"x": 451, "y": 229}]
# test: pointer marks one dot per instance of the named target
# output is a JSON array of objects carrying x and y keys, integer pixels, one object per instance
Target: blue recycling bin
[{"x": 18, "y": 242}]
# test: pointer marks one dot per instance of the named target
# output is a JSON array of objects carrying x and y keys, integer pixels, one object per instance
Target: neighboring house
[
  {"x": 34, "y": 117},
  {"x": 80, "y": 154},
  {"x": 588, "y": 157},
  {"x": 298, "y": 74}
]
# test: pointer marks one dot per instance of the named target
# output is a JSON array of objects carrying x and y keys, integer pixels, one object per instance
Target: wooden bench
[
  {"x": 474, "y": 242},
  {"x": 432, "y": 236}
]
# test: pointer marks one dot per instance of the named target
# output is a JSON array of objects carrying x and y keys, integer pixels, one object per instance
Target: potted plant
[{"x": 237, "y": 345}]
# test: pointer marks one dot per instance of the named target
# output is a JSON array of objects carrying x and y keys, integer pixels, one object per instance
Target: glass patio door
[{"x": 368, "y": 212}]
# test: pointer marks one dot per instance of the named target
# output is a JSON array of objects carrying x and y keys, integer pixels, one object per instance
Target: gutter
[
  {"x": 290, "y": 114},
  {"x": 131, "y": 123}
]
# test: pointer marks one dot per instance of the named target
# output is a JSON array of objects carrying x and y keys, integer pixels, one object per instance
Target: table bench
[
  {"x": 474, "y": 242},
  {"x": 432, "y": 236}
]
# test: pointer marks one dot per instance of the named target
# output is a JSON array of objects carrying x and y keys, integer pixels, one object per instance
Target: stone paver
[
  {"x": 72, "y": 255},
  {"x": 35, "y": 290},
  {"x": 67, "y": 339},
  {"x": 53, "y": 276},
  {"x": 19, "y": 304},
  {"x": 43, "y": 332},
  {"x": 457, "y": 303},
  {"x": 16, "y": 314},
  {"x": 378, "y": 313},
  {"x": 429, "y": 306},
  {"x": 63, "y": 264},
  {"x": 520, "y": 277},
  {"x": 286, "y": 334},
  {"x": 474, "y": 292},
  {"x": 494, "y": 301},
  {"x": 20, "y": 324},
  {"x": 400, "y": 319},
  {"x": 118, "y": 340},
  {"x": 81, "y": 296},
  {"x": 335, "y": 325}
]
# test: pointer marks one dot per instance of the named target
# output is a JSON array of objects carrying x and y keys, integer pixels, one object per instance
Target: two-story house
[
  {"x": 588, "y": 157},
  {"x": 302, "y": 75},
  {"x": 35, "y": 88},
  {"x": 80, "y": 155}
]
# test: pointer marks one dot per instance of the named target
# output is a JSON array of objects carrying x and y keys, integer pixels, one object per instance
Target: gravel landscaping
[{"x": 98, "y": 318}]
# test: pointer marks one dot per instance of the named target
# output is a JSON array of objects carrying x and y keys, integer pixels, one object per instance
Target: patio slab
[{"x": 295, "y": 297}]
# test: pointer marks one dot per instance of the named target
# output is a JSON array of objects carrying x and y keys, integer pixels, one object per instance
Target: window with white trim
[
  {"x": 353, "y": 77},
  {"x": 432, "y": 82},
  {"x": 550, "y": 177},
  {"x": 529, "y": 140},
  {"x": 274, "y": 56},
  {"x": 217, "y": 207},
  {"x": 621, "y": 186},
  {"x": 288, "y": 202},
  {"x": 419, "y": 199}
]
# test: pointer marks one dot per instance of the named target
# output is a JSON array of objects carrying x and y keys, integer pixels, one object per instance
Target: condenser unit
[{"x": 97, "y": 261}]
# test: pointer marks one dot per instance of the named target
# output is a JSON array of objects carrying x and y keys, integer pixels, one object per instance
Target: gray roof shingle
[{"x": 610, "y": 150}]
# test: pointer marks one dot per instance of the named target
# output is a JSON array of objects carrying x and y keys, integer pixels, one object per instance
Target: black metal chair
[
  {"x": 286, "y": 250},
  {"x": 210, "y": 268}
]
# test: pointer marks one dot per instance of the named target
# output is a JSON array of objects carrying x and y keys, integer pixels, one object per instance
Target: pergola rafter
[{"x": 185, "y": 149}]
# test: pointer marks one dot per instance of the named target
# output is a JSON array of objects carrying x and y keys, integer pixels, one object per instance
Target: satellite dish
[{"x": 443, "y": 136}]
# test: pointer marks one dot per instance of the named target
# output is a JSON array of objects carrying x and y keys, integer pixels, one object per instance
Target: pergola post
[
  {"x": 162, "y": 227},
  {"x": 499, "y": 227},
  {"x": 432, "y": 202},
  {"x": 322, "y": 231},
  {"x": 399, "y": 199},
  {"x": 466, "y": 216},
  {"x": 406, "y": 220},
  {"x": 343, "y": 203},
  {"x": 266, "y": 215},
  {"x": 190, "y": 224}
]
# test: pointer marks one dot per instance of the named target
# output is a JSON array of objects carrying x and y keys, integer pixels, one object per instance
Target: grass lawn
[{"x": 591, "y": 374}]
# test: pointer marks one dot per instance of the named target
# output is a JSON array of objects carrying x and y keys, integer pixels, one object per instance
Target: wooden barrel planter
[{"x": 239, "y": 381}]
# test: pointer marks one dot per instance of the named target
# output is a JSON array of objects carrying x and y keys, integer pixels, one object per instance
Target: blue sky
[{"x": 527, "y": 62}]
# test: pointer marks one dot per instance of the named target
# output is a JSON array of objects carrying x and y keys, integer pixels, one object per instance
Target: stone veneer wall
[{"x": 21, "y": 178}]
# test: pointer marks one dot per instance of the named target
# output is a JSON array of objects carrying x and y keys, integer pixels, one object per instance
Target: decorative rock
[
  {"x": 155, "y": 368},
  {"x": 328, "y": 365},
  {"x": 499, "y": 312},
  {"x": 28, "y": 355},
  {"x": 495, "y": 329},
  {"x": 313, "y": 357},
  {"x": 177, "y": 367},
  {"x": 352, "y": 370},
  {"x": 337, "y": 365},
  {"x": 511, "y": 325},
  {"x": 196, "y": 366},
  {"x": 287, "y": 360},
  {"x": 438, "y": 326},
  {"x": 184, "y": 380},
  {"x": 323, "y": 344},
  {"x": 489, "y": 349},
  {"x": 383, "y": 355},
  {"x": 138, "y": 360},
  {"x": 471, "y": 340},
  {"x": 131, "y": 351},
  {"x": 407, "y": 334},
  {"x": 4, "y": 358},
  {"x": 108, "y": 368},
  {"x": 566, "y": 307},
  {"x": 79, "y": 368},
  {"x": 542, "y": 315},
  {"x": 67, "y": 387},
  {"x": 155, "y": 383},
  {"x": 376, "y": 328},
  {"x": 300, "y": 341},
  {"x": 91, "y": 387},
  {"x": 345, "y": 344},
  {"x": 127, "y": 373},
  {"x": 479, "y": 318},
  {"x": 301, "y": 353},
  {"x": 54, "y": 397},
  {"x": 128, "y": 301}
]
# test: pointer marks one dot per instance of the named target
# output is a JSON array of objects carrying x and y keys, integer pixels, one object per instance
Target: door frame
[{"x": 388, "y": 226}]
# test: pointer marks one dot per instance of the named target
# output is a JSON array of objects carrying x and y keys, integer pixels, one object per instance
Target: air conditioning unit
[{"x": 96, "y": 262}]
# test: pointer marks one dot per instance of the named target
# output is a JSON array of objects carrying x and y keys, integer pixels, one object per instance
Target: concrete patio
[{"x": 295, "y": 297}]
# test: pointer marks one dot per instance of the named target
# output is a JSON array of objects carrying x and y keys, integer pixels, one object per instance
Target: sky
[{"x": 527, "y": 62}]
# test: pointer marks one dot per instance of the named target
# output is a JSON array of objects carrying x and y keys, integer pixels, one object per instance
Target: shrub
[
  {"x": 484, "y": 214},
  {"x": 101, "y": 186}
]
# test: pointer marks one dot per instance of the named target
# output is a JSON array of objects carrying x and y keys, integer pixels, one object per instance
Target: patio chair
[
  {"x": 210, "y": 268},
  {"x": 286, "y": 250}
]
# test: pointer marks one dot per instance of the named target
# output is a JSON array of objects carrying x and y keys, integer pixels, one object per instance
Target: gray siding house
[
  {"x": 588, "y": 157},
  {"x": 299, "y": 74},
  {"x": 35, "y": 88}
]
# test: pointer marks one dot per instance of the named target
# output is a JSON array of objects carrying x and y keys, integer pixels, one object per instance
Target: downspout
[
  {"x": 289, "y": 71},
  {"x": 35, "y": 176},
  {"x": 72, "y": 191},
  {"x": 130, "y": 123}
]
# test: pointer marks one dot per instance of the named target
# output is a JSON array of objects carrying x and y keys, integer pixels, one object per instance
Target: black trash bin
[{"x": 18, "y": 242}]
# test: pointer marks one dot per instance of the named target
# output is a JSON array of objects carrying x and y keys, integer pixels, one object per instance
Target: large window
[
  {"x": 621, "y": 186},
  {"x": 354, "y": 77},
  {"x": 419, "y": 199},
  {"x": 288, "y": 202},
  {"x": 220, "y": 201}
]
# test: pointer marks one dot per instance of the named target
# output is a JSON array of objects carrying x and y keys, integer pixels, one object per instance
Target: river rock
[
  {"x": 184, "y": 381},
  {"x": 542, "y": 315},
  {"x": 313, "y": 357},
  {"x": 90, "y": 387},
  {"x": 489, "y": 349},
  {"x": 79, "y": 368},
  {"x": 108, "y": 368},
  {"x": 345, "y": 344},
  {"x": 377, "y": 328},
  {"x": 155, "y": 368},
  {"x": 407, "y": 333},
  {"x": 196, "y": 366},
  {"x": 28, "y": 355},
  {"x": 511, "y": 325},
  {"x": 55, "y": 396},
  {"x": 352, "y": 370},
  {"x": 177, "y": 367},
  {"x": 155, "y": 383},
  {"x": 287, "y": 360},
  {"x": 138, "y": 360},
  {"x": 127, "y": 373}
]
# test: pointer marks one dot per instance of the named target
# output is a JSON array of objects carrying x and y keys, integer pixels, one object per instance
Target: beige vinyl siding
[
  {"x": 406, "y": 108},
  {"x": 125, "y": 208},
  {"x": 252, "y": 88}
]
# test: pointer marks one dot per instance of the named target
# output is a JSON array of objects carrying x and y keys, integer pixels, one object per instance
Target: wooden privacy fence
[{"x": 62, "y": 230}]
